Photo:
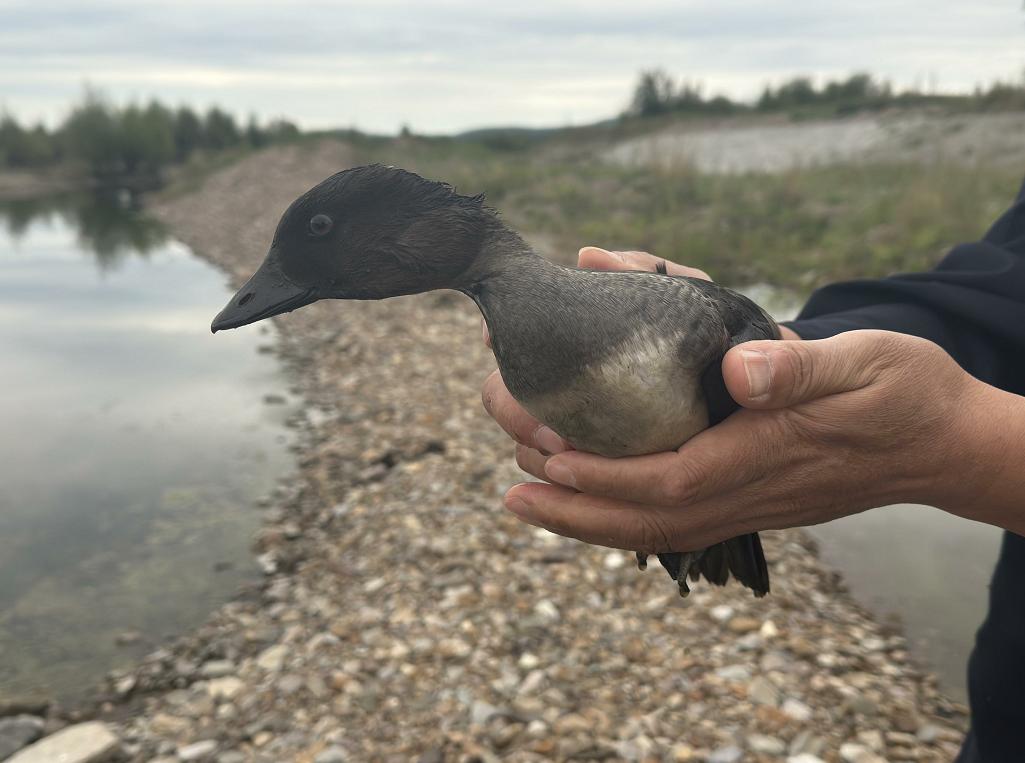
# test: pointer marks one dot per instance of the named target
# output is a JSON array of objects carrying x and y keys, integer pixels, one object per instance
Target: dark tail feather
[
  {"x": 742, "y": 557},
  {"x": 747, "y": 562}
]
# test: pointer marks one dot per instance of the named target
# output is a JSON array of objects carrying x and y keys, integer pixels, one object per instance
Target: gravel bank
[
  {"x": 778, "y": 146},
  {"x": 404, "y": 616}
]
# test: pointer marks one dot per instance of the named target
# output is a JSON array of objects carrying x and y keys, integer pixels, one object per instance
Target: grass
[{"x": 797, "y": 229}]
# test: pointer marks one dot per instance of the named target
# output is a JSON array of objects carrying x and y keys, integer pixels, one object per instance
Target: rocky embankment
[{"x": 404, "y": 616}]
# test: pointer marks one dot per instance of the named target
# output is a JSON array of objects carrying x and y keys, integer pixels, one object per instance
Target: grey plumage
[{"x": 618, "y": 363}]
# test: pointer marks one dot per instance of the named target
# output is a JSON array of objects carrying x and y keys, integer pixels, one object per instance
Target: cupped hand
[{"x": 828, "y": 428}]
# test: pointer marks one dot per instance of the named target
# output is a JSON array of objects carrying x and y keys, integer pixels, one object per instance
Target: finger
[
  {"x": 616, "y": 524},
  {"x": 595, "y": 258},
  {"x": 743, "y": 449},
  {"x": 661, "y": 479},
  {"x": 531, "y": 461},
  {"x": 778, "y": 374},
  {"x": 517, "y": 423},
  {"x": 485, "y": 333}
]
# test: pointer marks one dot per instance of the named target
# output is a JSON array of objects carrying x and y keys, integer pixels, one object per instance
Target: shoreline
[{"x": 404, "y": 616}]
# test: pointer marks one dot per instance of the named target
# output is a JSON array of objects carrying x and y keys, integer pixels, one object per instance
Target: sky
[{"x": 449, "y": 65}]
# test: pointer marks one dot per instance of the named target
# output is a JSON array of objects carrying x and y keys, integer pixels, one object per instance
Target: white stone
[
  {"x": 765, "y": 745},
  {"x": 796, "y": 709},
  {"x": 197, "y": 751},
  {"x": 83, "y": 743},
  {"x": 529, "y": 661},
  {"x": 873, "y": 738},
  {"x": 272, "y": 659},
  {"x": 331, "y": 755},
  {"x": 721, "y": 613},
  {"x": 768, "y": 630},
  {"x": 735, "y": 673},
  {"x": 217, "y": 668},
  {"x": 547, "y": 611},
  {"x": 805, "y": 757},
  {"x": 614, "y": 560},
  {"x": 224, "y": 688},
  {"x": 853, "y": 753}
]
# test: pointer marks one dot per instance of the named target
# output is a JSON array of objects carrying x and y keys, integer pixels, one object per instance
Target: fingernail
[
  {"x": 484, "y": 332},
  {"x": 759, "y": 373},
  {"x": 548, "y": 441},
  {"x": 557, "y": 471}
]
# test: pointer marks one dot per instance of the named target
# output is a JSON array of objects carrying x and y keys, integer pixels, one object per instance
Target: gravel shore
[{"x": 404, "y": 616}]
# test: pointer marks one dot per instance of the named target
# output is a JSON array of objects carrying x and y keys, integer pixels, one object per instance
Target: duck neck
[{"x": 505, "y": 261}]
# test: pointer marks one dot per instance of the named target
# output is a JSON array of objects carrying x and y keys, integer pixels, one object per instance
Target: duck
[{"x": 617, "y": 363}]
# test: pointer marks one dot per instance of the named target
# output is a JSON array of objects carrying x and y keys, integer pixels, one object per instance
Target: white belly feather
[{"x": 640, "y": 398}]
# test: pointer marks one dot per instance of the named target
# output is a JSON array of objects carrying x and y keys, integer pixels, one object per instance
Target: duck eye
[{"x": 320, "y": 224}]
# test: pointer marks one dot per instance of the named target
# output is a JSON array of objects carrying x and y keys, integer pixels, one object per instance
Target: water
[
  {"x": 133, "y": 445},
  {"x": 915, "y": 565}
]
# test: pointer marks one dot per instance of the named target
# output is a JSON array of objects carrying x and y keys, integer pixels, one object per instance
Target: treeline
[
  {"x": 133, "y": 140},
  {"x": 657, "y": 92}
]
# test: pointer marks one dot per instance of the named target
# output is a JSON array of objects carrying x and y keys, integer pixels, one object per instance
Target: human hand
[{"x": 828, "y": 428}]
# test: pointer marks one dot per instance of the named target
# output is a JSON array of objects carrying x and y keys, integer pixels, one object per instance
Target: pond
[
  {"x": 921, "y": 567},
  {"x": 133, "y": 448}
]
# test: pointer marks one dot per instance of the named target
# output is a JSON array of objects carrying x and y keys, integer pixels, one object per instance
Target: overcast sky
[{"x": 450, "y": 65}]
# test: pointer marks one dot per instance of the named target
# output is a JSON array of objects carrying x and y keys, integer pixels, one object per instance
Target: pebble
[
  {"x": 721, "y": 612},
  {"x": 744, "y": 624},
  {"x": 217, "y": 668},
  {"x": 83, "y": 743},
  {"x": 224, "y": 688},
  {"x": 805, "y": 757},
  {"x": 197, "y": 751},
  {"x": 762, "y": 691},
  {"x": 730, "y": 754},
  {"x": 797, "y": 710},
  {"x": 736, "y": 673},
  {"x": 765, "y": 745},
  {"x": 17, "y": 732},
  {"x": 332, "y": 754},
  {"x": 272, "y": 659},
  {"x": 873, "y": 739},
  {"x": 528, "y": 661},
  {"x": 854, "y": 753},
  {"x": 547, "y": 611}
]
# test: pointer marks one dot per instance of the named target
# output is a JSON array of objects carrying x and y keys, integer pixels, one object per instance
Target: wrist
[{"x": 981, "y": 472}]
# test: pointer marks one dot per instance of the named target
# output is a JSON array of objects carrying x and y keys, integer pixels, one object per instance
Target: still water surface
[{"x": 133, "y": 443}]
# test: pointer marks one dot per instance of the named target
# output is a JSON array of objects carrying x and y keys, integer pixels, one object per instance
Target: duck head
[{"x": 365, "y": 233}]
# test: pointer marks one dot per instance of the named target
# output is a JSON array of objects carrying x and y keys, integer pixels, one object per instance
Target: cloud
[{"x": 445, "y": 65}]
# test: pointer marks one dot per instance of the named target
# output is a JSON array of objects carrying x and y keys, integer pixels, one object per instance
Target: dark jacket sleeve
[{"x": 972, "y": 304}]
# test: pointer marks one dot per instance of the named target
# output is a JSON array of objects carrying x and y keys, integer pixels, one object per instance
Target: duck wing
[{"x": 742, "y": 557}]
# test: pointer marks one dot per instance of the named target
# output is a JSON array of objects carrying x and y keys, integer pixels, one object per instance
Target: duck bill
[{"x": 269, "y": 292}]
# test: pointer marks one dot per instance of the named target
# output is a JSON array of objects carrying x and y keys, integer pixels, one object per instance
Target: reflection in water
[
  {"x": 106, "y": 224},
  {"x": 922, "y": 567},
  {"x": 133, "y": 445}
]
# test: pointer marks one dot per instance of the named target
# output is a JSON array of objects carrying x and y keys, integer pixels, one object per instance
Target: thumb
[{"x": 778, "y": 374}]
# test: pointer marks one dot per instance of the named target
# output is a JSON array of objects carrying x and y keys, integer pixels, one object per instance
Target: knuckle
[
  {"x": 801, "y": 373},
  {"x": 680, "y": 484}
]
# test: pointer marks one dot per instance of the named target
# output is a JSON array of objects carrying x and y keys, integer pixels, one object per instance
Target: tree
[
  {"x": 188, "y": 133},
  {"x": 20, "y": 147},
  {"x": 653, "y": 94},
  {"x": 219, "y": 130}
]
